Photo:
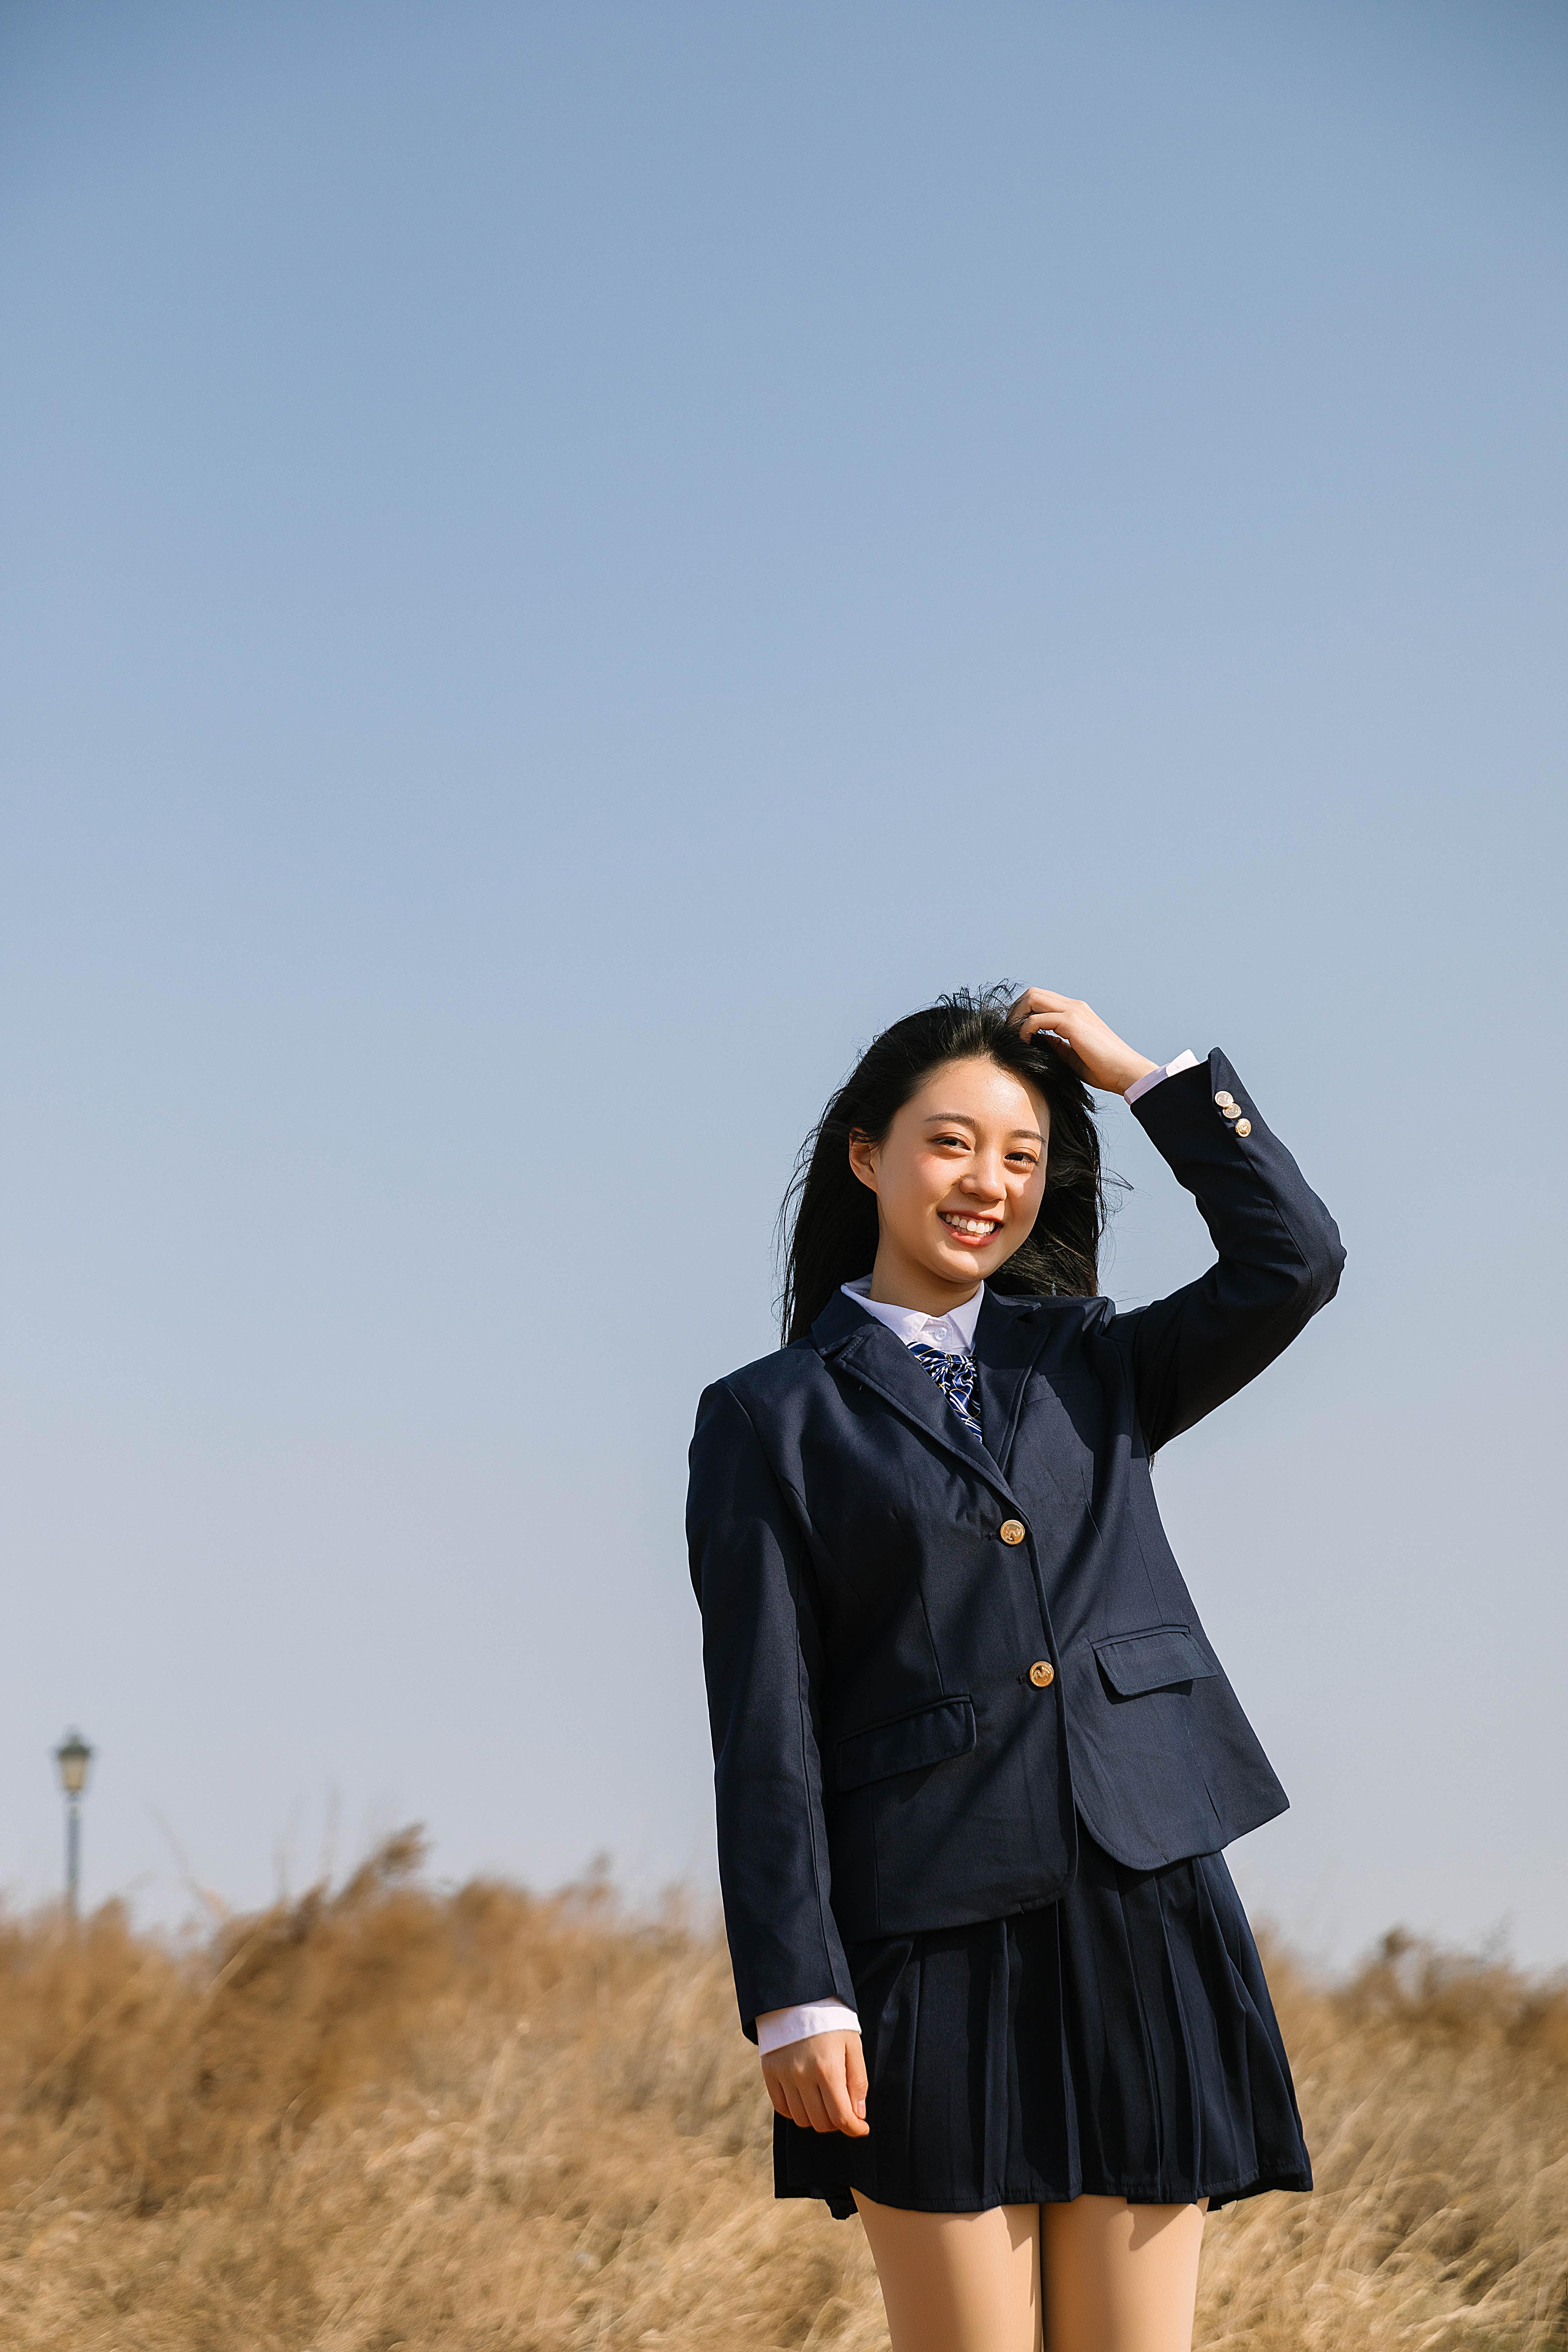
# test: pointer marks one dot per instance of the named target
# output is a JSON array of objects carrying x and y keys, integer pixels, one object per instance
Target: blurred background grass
[{"x": 385, "y": 2115}]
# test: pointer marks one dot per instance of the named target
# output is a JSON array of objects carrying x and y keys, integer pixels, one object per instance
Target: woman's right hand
[
  {"x": 820, "y": 2082},
  {"x": 1074, "y": 1032}
]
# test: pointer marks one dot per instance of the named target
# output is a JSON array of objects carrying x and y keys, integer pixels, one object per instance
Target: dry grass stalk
[{"x": 387, "y": 2118}]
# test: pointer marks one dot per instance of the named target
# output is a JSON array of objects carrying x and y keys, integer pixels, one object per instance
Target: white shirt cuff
[
  {"x": 1152, "y": 1078},
  {"x": 782, "y": 2025}
]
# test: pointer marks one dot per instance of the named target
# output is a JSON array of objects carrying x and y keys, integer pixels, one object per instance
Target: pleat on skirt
[{"x": 1120, "y": 2041}]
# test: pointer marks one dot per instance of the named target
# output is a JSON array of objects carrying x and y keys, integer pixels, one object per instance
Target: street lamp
[{"x": 73, "y": 1756}]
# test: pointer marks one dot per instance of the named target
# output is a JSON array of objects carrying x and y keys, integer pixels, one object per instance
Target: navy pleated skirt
[{"x": 1120, "y": 2041}]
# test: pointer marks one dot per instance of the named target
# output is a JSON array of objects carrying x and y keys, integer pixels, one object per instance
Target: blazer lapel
[
  {"x": 858, "y": 1344},
  {"x": 1008, "y": 1342}
]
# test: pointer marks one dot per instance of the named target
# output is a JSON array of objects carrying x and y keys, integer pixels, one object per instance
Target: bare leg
[
  {"x": 957, "y": 2282},
  {"x": 1120, "y": 2277}
]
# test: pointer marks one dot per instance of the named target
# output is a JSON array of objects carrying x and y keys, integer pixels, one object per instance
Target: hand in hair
[
  {"x": 1092, "y": 1051},
  {"x": 820, "y": 2082}
]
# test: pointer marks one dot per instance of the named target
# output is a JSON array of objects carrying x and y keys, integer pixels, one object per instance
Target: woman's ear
[{"x": 863, "y": 1158}]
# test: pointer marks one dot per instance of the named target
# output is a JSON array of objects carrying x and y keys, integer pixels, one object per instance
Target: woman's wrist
[{"x": 1137, "y": 1065}]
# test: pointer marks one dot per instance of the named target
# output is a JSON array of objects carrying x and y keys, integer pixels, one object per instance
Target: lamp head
[{"x": 73, "y": 1756}]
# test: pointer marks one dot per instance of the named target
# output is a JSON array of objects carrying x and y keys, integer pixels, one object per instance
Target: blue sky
[{"x": 564, "y": 566}]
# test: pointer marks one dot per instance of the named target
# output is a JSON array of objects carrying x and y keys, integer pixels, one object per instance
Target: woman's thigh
[
  {"x": 957, "y": 2282},
  {"x": 1120, "y": 2277}
]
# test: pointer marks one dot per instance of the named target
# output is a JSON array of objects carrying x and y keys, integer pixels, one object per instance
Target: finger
[
  {"x": 1069, "y": 1022},
  {"x": 1033, "y": 999},
  {"x": 1048, "y": 1011},
  {"x": 799, "y": 2113},
  {"x": 816, "y": 2107},
  {"x": 855, "y": 2081},
  {"x": 841, "y": 2115},
  {"x": 835, "y": 2097},
  {"x": 1065, "y": 1054},
  {"x": 1050, "y": 1030}
]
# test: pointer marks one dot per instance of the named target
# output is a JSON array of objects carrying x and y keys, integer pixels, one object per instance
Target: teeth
[{"x": 972, "y": 1224}]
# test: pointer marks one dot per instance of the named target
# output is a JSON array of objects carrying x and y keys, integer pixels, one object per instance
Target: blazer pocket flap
[
  {"x": 1161, "y": 1654},
  {"x": 930, "y": 1735}
]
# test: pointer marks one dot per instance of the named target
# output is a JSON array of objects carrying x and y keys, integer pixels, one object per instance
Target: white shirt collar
[{"x": 953, "y": 1333}]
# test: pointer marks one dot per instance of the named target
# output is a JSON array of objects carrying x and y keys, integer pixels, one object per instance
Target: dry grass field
[{"x": 387, "y": 2116}]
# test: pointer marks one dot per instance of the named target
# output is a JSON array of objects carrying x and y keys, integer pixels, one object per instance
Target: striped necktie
[{"x": 956, "y": 1377}]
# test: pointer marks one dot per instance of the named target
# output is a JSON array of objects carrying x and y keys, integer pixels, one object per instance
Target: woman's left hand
[
  {"x": 1076, "y": 1032},
  {"x": 819, "y": 2083}
]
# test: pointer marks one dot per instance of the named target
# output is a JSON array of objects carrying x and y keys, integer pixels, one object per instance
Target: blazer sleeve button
[
  {"x": 1244, "y": 1127},
  {"x": 1011, "y": 1531},
  {"x": 1042, "y": 1673}
]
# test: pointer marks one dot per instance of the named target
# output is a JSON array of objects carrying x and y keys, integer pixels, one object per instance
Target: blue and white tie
[{"x": 956, "y": 1377}]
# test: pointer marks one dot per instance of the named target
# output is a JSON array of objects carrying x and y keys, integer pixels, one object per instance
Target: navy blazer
[{"x": 926, "y": 1653}]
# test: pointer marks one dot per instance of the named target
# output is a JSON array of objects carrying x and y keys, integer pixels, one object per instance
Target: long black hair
[{"x": 828, "y": 1220}]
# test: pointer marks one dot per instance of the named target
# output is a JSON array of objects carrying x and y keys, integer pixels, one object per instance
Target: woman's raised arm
[{"x": 1279, "y": 1253}]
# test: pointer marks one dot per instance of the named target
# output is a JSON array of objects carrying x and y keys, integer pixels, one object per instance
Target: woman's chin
[{"x": 957, "y": 1263}]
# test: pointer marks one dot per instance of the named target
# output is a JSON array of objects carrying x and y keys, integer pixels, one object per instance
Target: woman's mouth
[{"x": 974, "y": 1232}]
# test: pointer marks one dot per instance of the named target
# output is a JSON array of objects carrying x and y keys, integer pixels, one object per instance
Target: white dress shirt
[{"x": 953, "y": 1334}]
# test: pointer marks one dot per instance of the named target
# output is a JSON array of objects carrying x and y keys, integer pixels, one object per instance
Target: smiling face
[{"x": 959, "y": 1177}]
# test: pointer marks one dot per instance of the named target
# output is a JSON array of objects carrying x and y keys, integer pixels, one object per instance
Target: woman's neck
[{"x": 896, "y": 1282}]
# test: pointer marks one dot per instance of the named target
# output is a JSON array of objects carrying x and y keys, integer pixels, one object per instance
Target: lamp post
[{"x": 73, "y": 1756}]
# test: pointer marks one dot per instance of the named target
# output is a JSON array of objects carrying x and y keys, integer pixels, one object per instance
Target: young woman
[{"x": 975, "y": 1756}]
